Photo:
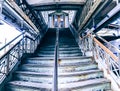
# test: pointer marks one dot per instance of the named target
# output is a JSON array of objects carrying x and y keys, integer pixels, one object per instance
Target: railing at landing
[
  {"x": 107, "y": 60},
  {"x": 25, "y": 44}
]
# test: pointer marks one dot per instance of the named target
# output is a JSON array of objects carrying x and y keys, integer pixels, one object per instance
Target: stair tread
[
  {"x": 84, "y": 83},
  {"x": 59, "y": 74},
  {"x": 59, "y": 64},
  {"x": 78, "y": 73},
  {"x": 30, "y": 84},
  {"x": 34, "y": 73},
  {"x": 70, "y": 58},
  {"x": 61, "y": 86}
]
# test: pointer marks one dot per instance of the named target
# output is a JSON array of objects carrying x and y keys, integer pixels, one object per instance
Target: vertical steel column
[
  {"x": 55, "y": 76},
  {"x": 7, "y": 64},
  {"x": 1, "y": 2},
  {"x": 119, "y": 62}
]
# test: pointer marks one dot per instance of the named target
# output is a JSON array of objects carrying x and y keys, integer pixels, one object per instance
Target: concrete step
[
  {"x": 61, "y": 63},
  {"x": 62, "y": 79},
  {"x": 51, "y": 61},
  {"x": 60, "y": 52},
  {"x": 68, "y": 44},
  {"x": 36, "y": 68},
  {"x": 47, "y": 46},
  {"x": 60, "y": 55},
  {"x": 72, "y": 77},
  {"x": 27, "y": 86},
  {"x": 34, "y": 77},
  {"x": 100, "y": 84},
  {"x": 77, "y": 68},
  {"x": 61, "y": 48},
  {"x": 65, "y": 58},
  {"x": 61, "y": 68}
]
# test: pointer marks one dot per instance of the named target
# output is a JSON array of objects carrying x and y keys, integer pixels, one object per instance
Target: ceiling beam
[
  {"x": 89, "y": 14},
  {"x": 35, "y": 3},
  {"x": 57, "y": 6}
]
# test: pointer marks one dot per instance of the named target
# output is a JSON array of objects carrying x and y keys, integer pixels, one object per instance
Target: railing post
[
  {"x": 26, "y": 49},
  {"x": 7, "y": 65},
  {"x": 18, "y": 49},
  {"x": 31, "y": 46},
  {"x": 55, "y": 76},
  {"x": 23, "y": 44},
  {"x": 119, "y": 62},
  {"x": 34, "y": 44},
  {"x": 1, "y": 6}
]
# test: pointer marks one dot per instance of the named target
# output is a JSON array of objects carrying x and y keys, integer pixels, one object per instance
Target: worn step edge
[
  {"x": 71, "y": 58},
  {"x": 60, "y": 61},
  {"x": 52, "y": 58},
  {"x": 85, "y": 83},
  {"x": 60, "y": 65},
  {"x": 30, "y": 84},
  {"x": 74, "y": 85},
  {"x": 59, "y": 74}
]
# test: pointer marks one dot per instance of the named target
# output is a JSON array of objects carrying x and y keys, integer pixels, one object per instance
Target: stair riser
[
  {"x": 61, "y": 61},
  {"x": 16, "y": 88},
  {"x": 61, "y": 80},
  {"x": 33, "y": 78},
  {"x": 77, "y": 78},
  {"x": 96, "y": 87},
  {"x": 72, "y": 69},
  {"x": 37, "y": 69},
  {"x": 60, "y": 52},
  {"x": 61, "y": 48},
  {"x": 60, "y": 64},
  {"x": 60, "y": 69},
  {"x": 60, "y": 55}
]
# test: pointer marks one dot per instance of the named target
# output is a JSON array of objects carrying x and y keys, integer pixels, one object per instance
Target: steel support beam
[
  {"x": 21, "y": 13},
  {"x": 1, "y": 6},
  {"x": 56, "y": 7},
  {"x": 90, "y": 13},
  {"x": 111, "y": 16}
]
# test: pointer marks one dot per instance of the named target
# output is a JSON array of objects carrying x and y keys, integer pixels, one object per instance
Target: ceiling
[
  {"x": 47, "y": 2},
  {"x": 47, "y": 5}
]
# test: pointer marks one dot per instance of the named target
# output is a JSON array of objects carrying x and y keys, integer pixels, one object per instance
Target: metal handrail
[
  {"x": 108, "y": 43},
  {"x": 55, "y": 76},
  {"x": 12, "y": 41},
  {"x": 10, "y": 49},
  {"x": 26, "y": 44}
]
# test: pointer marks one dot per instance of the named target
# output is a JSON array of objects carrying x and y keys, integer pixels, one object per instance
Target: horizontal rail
[
  {"x": 108, "y": 43},
  {"x": 106, "y": 50},
  {"x": 10, "y": 49},
  {"x": 11, "y": 41}
]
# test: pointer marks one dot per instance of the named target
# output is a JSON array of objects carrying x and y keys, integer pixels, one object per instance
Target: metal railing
[
  {"x": 103, "y": 55},
  {"x": 55, "y": 75},
  {"x": 25, "y": 44}
]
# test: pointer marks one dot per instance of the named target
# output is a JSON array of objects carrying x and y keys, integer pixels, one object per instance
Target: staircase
[{"x": 75, "y": 71}]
